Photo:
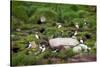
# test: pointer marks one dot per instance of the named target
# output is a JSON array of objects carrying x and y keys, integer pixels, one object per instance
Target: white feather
[
  {"x": 43, "y": 19},
  {"x": 30, "y": 45},
  {"x": 77, "y": 26},
  {"x": 81, "y": 41},
  {"x": 37, "y": 36},
  {"x": 75, "y": 33},
  {"x": 59, "y": 26},
  {"x": 43, "y": 49}
]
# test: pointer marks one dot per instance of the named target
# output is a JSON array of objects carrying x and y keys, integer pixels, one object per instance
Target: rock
[
  {"x": 63, "y": 42},
  {"x": 77, "y": 49}
]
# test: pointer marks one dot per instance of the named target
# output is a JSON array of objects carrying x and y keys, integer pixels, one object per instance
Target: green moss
[{"x": 66, "y": 54}]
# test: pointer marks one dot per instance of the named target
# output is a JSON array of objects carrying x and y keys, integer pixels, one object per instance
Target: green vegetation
[{"x": 24, "y": 24}]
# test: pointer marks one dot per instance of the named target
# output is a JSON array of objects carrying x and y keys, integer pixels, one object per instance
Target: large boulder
[{"x": 58, "y": 42}]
